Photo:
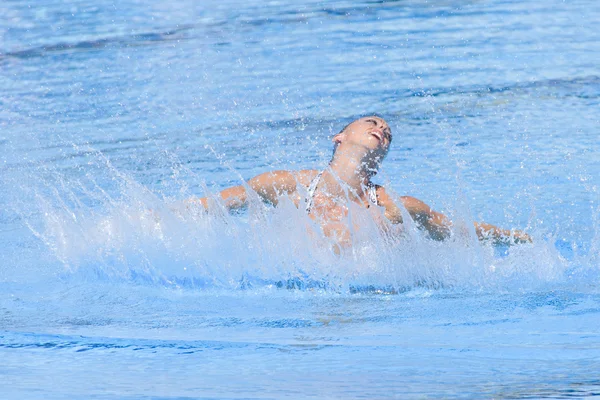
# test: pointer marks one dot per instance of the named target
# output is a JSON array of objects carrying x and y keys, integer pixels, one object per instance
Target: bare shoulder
[
  {"x": 383, "y": 198},
  {"x": 305, "y": 176}
]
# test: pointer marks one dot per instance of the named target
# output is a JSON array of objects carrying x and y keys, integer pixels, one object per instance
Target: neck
[{"x": 350, "y": 165}]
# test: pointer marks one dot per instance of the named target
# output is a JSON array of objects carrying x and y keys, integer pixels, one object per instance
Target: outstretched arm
[
  {"x": 269, "y": 186},
  {"x": 500, "y": 236},
  {"x": 439, "y": 226}
]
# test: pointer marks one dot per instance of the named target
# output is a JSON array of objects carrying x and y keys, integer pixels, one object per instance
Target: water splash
[{"x": 129, "y": 233}]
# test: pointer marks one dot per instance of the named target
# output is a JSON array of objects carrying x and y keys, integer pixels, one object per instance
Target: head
[{"x": 367, "y": 137}]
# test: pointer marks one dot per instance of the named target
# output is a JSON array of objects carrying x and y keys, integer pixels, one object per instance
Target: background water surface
[{"x": 108, "y": 110}]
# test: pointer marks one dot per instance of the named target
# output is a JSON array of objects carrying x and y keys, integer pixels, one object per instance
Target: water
[{"x": 111, "y": 113}]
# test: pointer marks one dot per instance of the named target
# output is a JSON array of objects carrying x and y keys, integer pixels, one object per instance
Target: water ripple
[{"x": 138, "y": 39}]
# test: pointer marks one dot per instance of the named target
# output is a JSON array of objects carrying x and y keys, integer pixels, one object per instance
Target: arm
[
  {"x": 269, "y": 186},
  {"x": 439, "y": 226},
  {"x": 500, "y": 236}
]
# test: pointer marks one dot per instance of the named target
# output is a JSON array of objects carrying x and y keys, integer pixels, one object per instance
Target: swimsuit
[{"x": 371, "y": 192}]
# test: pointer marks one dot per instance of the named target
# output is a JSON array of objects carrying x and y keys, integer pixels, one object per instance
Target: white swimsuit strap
[
  {"x": 311, "y": 191},
  {"x": 371, "y": 192}
]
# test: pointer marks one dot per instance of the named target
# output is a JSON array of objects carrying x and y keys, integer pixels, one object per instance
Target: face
[{"x": 371, "y": 132}]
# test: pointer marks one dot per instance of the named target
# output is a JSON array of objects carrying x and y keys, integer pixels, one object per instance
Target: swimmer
[{"x": 359, "y": 150}]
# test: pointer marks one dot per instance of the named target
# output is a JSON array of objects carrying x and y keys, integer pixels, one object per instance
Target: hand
[{"x": 521, "y": 237}]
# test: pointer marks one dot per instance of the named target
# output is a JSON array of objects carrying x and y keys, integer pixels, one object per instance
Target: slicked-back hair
[{"x": 335, "y": 146}]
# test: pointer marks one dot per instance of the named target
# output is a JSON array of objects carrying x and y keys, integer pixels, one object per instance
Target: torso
[
  {"x": 370, "y": 192},
  {"x": 332, "y": 212}
]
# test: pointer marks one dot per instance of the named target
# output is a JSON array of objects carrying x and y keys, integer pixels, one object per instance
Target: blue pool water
[{"x": 112, "y": 112}]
